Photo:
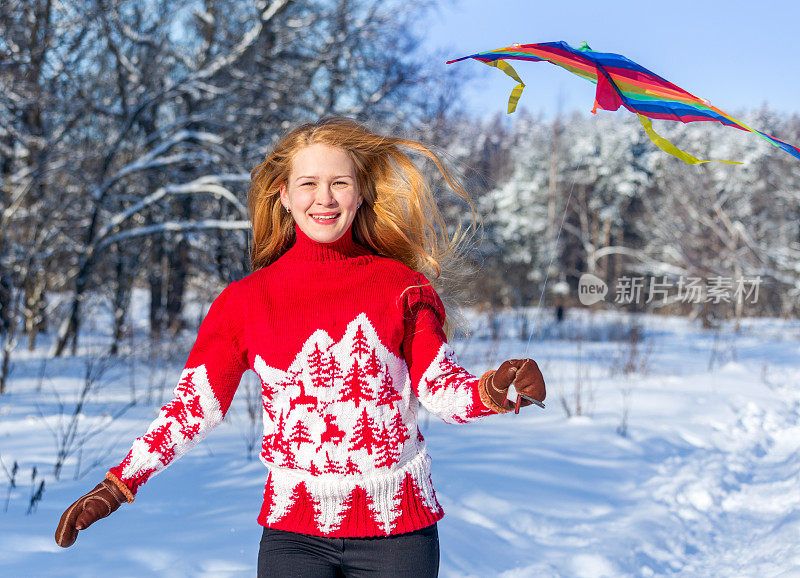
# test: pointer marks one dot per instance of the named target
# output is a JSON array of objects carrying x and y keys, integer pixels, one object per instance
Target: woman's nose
[{"x": 325, "y": 195}]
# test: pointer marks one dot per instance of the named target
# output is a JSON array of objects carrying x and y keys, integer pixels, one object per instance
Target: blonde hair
[{"x": 399, "y": 217}]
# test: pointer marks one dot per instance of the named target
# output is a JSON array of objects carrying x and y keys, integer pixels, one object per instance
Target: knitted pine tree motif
[
  {"x": 449, "y": 377},
  {"x": 159, "y": 442},
  {"x": 267, "y": 393},
  {"x": 317, "y": 367},
  {"x": 269, "y": 500},
  {"x": 351, "y": 467},
  {"x": 439, "y": 510},
  {"x": 194, "y": 408},
  {"x": 301, "y": 513},
  {"x": 412, "y": 506},
  {"x": 186, "y": 385},
  {"x": 459, "y": 405},
  {"x": 334, "y": 400},
  {"x": 364, "y": 434},
  {"x": 387, "y": 453},
  {"x": 276, "y": 444},
  {"x": 398, "y": 429},
  {"x": 290, "y": 461},
  {"x": 387, "y": 394},
  {"x": 331, "y": 466},
  {"x": 332, "y": 372},
  {"x": 190, "y": 431},
  {"x": 360, "y": 346},
  {"x": 136, "y": 480},
  {"x": 373, "y": 366},
  {"x": 356, "y": 386},
  {"x": 359, "y": 518},
  {"x": 176, "y": 409},
  {"x": 299, "y": 435}
]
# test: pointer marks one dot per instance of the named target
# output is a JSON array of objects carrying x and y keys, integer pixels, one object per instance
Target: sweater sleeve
[
  {"x": 439, "y": 382},
  {"x": 201, "y": 398}
]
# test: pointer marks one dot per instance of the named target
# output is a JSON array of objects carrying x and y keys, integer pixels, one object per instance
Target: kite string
[{"x": 552, "y": 256}]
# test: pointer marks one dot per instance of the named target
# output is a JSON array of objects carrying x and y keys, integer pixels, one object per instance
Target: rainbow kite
[{"x": 621, "y": 82}]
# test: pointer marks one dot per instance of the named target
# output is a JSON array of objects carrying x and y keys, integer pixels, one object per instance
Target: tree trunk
[
  {"x": 8, "y": 322},
  {"x": 178, "y": 269},
  {"x": 123, "y": 274},
  {"x": 156, "y": 281},
  {"x": 34, "y": 305}
]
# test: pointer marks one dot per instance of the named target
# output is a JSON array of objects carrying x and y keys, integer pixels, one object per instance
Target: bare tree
[{"x": 141, "y": 139}]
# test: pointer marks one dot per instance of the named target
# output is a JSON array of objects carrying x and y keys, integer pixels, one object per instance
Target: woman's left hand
[{"x": 527, "y": 380}]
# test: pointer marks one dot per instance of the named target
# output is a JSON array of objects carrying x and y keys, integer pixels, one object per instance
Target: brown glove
[
  {"x": 99, "y": 503},
  {"x": 523, "y": 373}
]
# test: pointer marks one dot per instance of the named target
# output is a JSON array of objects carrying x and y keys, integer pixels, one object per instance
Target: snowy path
[{"x": 707, "y": 483}]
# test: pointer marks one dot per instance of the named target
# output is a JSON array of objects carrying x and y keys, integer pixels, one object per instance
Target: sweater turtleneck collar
[{"x": 307, "y": 249}]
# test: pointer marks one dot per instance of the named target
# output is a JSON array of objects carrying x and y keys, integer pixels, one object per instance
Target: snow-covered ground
[{"x": 706, "y": 481}]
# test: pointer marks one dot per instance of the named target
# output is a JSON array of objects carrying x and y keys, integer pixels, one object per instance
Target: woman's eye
[
  {"x": 340, "y": 183},
  {"x": 309, "y": 183}
]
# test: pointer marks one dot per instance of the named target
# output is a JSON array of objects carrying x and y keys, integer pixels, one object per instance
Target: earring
[{"x": 288, "y": 210}]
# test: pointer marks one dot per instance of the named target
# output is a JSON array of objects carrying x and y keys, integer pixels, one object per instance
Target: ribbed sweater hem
[{"x": 398, "y": 501}]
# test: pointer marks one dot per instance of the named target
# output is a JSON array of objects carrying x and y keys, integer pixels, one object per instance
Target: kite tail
[
  {"x": 670, "y": 148},
  {"x": 509, "y": 70},
  {"x": 783, "y": 145}
]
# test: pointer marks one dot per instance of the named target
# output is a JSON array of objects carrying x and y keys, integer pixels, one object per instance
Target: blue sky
[{"x": 737, "y": 54}]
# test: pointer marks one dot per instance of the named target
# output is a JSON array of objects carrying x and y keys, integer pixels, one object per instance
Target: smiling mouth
[{"x": 325, "y": 218}]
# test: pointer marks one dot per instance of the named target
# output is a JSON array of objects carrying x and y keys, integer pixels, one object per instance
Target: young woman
[{"x": 347, "y": 336}]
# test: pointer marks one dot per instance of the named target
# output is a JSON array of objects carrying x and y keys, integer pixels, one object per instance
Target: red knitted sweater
[{"x": 345, "y": 352}]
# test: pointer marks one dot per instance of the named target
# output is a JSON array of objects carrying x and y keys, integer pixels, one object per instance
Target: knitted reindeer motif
[
  {"x": 332, "y": 432},
  {"x": 302, "y": 399}
]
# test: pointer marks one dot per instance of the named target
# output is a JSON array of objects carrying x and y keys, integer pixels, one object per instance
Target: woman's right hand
[{"x": 105, "y": 498}]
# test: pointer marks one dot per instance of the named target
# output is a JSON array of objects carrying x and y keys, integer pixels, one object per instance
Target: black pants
[{"x": 292, "y": 555}]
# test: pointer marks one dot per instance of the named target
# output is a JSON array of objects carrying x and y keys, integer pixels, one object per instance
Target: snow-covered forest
[
  {"x": 634, "y": 210},
  {"x": 127, "y": 147},
  {"x": 128, "y": 131}
]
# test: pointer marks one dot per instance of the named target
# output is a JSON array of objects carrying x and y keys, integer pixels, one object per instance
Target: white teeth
[{"x": 331, "y": 217}]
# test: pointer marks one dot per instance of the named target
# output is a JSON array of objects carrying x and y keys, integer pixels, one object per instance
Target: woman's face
[{"x": 322, "y": 182}]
